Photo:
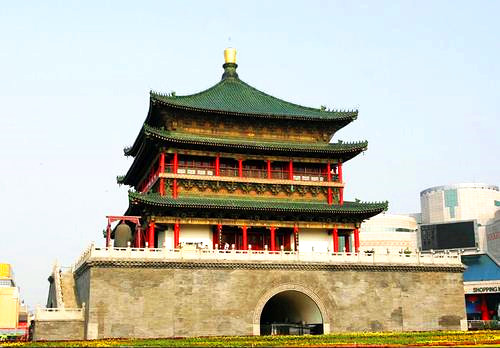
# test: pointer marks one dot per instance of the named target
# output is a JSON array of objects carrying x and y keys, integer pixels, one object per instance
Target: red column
[
  {"x": 269, "y": 174},
  {"x": 290, "y": 170},
  {"x": 174, "y": 169},
  {"x": 176, "y": 163},
  {"x": 356, "y": 240},
  {"x": 161, "y": 170},
  {"x": 329, "y": 178},
  {"x": 217, "y": 165},
  {"x": 177, "y": 230},
  {"x": 335, "y": 234},
  {"x": 341, "y": 195},
  {"x": 339, "y": 170},
  {"x": 151, "y": 235},
  {"x": 240, "y": 168},
  {"x": 219, "y": 234},
  {"x": 138, "y": 237},
  {"x": 108, "y": 235},
  {"x": 245, "y": 239},
  {"x": 346, "y": 243},
  {"x": 273, "y": 239},
  {"x": 295, "y": 237}
]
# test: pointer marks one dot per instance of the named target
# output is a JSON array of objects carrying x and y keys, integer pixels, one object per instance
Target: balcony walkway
[{"x": 218, "y": 255}]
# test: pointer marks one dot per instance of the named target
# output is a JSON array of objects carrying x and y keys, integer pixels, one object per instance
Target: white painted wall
[
  {"x": 316, "y": 238},
  {"x": 196, "y": 234},
  {"x": 166, "y": 238}
]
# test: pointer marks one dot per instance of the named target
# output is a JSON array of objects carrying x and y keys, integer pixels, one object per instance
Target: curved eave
[
  {"x": 330, "y": 116},
  {"x": 346, "y": 150},
  {"x": 134, "y": 167},
  {"x": 349, "y": 208}
]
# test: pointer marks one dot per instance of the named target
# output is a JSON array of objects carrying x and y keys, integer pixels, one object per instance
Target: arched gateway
[{"x": 290, "y": 309}]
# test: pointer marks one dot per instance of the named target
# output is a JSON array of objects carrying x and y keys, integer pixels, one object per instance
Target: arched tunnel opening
[{"x": 291, "y": 313}]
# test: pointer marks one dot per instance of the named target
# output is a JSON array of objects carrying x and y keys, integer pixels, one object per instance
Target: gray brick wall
[
  {"x": 147, "y": 301},
  {"x": 57, "y": 330}
]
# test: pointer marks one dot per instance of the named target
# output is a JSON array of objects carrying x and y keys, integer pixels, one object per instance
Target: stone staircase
[{"x": 68, "y": 290}]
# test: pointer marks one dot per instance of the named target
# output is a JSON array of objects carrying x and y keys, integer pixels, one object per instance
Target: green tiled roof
[
  {"x": 350, "y": 149},
  {"x": 233, "y": 96},
  {"x": 274, "y": 205}
]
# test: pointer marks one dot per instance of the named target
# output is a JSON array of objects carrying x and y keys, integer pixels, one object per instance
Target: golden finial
[{"x": 230, "y": 55}]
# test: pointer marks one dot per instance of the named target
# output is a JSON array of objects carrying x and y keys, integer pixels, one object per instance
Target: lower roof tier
[{"x": 295, "y": 210}]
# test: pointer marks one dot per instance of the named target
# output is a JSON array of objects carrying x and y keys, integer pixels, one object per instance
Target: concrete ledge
[
  {"x": 256, "y": 265},
  {"x": 59, "y": 314}
]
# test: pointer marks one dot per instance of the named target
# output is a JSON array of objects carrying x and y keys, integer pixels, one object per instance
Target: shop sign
[
  {"x": 485, "y": 289},
  {"x": 492, "y": 287}
]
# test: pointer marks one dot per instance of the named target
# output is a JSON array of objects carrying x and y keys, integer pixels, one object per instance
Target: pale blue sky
[{"x": 75, "y": 77}]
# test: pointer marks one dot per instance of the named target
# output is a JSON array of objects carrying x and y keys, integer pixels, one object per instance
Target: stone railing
[
  {"x": 56, "y": 274},
  {"x": 165, "y": 254},
  {"x": 59, "y": 313}
]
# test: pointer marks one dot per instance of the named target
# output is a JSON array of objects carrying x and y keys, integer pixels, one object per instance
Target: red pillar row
[
  {"x": 356, "y": 240},
  {"x": 269, "y": 174},
  {"x": 290, "y": 170},
  {"x": 335, "y": 234},
  {"x": 245, "y": 239}
]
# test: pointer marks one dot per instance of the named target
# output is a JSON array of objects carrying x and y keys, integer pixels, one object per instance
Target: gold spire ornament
[{"x": 230, "y": 55}]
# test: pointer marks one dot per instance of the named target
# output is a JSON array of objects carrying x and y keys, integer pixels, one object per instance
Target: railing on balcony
[
  {"x": 59, "y": 313},
  {"x": 277, "y": 174},
  {"x": 158, "y": 254}
]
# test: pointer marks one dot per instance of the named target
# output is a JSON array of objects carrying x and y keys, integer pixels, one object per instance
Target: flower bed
[{"x": 367, "y": 339}]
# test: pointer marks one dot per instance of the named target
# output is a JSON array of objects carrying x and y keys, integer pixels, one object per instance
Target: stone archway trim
[{"x": 286, "y": 287}]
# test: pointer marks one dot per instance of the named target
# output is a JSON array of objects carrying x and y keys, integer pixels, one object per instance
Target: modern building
[
  {"x": 466, "y": 217},
  {"x": 237, "y": 225},
  {"x": 389, "y": 233},
  {"x": 461, "y": 202},
  {"x": 493, "y": 235},
  {"x": 13, "y": 314}
]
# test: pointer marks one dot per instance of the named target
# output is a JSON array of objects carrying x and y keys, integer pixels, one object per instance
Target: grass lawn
[{"x": 431, "y": 338}]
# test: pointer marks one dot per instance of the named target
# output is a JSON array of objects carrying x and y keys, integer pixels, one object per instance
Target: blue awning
[{"x": 479, "y": 268}]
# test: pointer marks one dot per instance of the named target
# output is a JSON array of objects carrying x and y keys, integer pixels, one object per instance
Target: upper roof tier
[
  {"x": 233, "y": 96},
  {"x": 344, "y": 151}
]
